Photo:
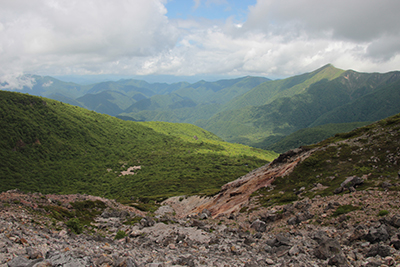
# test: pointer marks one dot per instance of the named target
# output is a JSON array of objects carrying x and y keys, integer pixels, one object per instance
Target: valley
[
  {"x": 82, "y": 188},
  {"x": 254, "y": 111}
]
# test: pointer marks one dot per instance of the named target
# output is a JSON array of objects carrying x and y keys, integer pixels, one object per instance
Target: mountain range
[{"x": 254, "y": 111}]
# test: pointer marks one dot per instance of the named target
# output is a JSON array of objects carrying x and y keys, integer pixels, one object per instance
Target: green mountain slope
[
  {"x": 221, "y": 91},
  {"x": 182, "y": 114},
  {"x": 350, "y": 97},
  {"x": 269, "y": 91},
  {"x": 199, "y": 101},
  {"x": 106, "y": 102},
  {"x": 308, "y": 136},
  {"x": 373, "y": 106},
  {"x": 50, "y": 147}
]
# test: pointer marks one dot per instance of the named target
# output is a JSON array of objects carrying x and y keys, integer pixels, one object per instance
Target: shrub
[
  {"x": 75, "y": 225},
  {"x": 383, "y": 213},
  {"x": 120, "y": 234},
  {"x": 344, "y": 209},
  {"x": 288, "y": 197}
]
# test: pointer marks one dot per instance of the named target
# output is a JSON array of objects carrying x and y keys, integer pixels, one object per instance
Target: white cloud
[
  {"x": 16, "y": 81},
  {"x": 134, "y": 37},
  {"x": 39, "y": 33}
]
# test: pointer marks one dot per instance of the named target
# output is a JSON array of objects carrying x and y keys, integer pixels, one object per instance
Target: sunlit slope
[
  {"x": 50, "y": 147},
  {"x": 269, "y": 91}
]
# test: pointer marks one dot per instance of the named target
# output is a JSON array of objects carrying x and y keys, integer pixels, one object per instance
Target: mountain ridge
[{"x": 250, "y": 110}]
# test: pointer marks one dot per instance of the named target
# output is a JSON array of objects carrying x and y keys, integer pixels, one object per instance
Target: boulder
[
  {"x": 395, "y": 221},
  {"x": 147, "y": 222},
  {"x": 300, "y": 217},
  {"x": 304, "y": 216},
  {"x": 338, "y": 190},
  {"x": 67, "y": 259},
  {"x": 378, "y": 249},
  {"x": 377, "y": 234},
  {"x": 352, "y": 181},
  {"x": 292, "y": 220},
  {"x": 259, "y": 226},
  {"x": 327, "y": 248},
  {"x": 338, "y": 260},
  {"x": 19, "y": 262}
]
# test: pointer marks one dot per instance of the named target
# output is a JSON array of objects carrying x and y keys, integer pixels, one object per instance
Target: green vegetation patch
[
  {"x": 51, "y": 147},
  {"x": 344, "y": 209},
  {"x": 383, "y": 213}
]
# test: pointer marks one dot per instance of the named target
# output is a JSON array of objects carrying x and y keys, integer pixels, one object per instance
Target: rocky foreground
[{"x": 304, "y": 233}]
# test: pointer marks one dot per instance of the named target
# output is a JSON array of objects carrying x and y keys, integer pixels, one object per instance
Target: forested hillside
[
  {"x": 343, "y": 98},
  {"x": 52, "y": 147}
]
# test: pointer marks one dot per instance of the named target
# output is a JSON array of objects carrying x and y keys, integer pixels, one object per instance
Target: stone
[
  {"x": 380, "y": 250},
  {"x": 33, "y": 253},
  {"x": 304, "y": 216},
  {"x": 327, "y": 248},
  {"x": 338, "y": 190},
  {"x": 125, "y": 262},
  {"x": 338, "y": 260},
  {"x": 269, "y": 261},
  {"x": 294, "y": 251},
  {"x": 292, "y": 220},
  {"x": 395, "y": 221},
  {"x": 282, "y": 240},
  {"x": 352, "y": 181},
  {"x": 377, "y": 234},
  {"x": 389, "y": 261},
  {"x": 268, "y": 248},
  {"x": 259, "y": 226},
  {"x": 19, "y": 262},
  {"x": 186, "y": 261},
  {"x": 67, "y": 260},
  {"x": 147, "y": 222},
  {"x": 395, "y": 243},
  {"x": 163, "y": 210}
]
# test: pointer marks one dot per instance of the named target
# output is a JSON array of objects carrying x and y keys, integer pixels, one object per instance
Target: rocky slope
[
  {"x": 268, "y": 237},
  {"x": 332, "y": 204}
]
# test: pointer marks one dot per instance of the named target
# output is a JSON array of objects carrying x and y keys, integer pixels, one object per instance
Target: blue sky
[
  {"x": 195, "y": 39},
  {"x": 213, "y": 10}
]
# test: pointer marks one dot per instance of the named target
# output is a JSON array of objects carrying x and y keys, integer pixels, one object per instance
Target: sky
[{"x": 195, "y": 38}]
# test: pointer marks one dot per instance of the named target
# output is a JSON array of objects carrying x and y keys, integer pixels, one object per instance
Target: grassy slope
[
  {"x": 49, "y": 146},
  {"x": 191, "y": 134},
  {"x": 371, "y": 151},
  {"x": 308, "y": 136}
]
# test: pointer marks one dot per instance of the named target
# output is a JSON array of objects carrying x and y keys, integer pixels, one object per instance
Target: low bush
[{"x": 75, "y": 225}]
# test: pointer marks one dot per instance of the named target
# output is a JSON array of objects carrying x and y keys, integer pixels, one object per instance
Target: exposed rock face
[{"x": 235, "y": 194}]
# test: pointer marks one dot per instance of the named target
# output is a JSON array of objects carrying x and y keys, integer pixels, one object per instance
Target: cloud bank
[{"x": 136, "y": 37}]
